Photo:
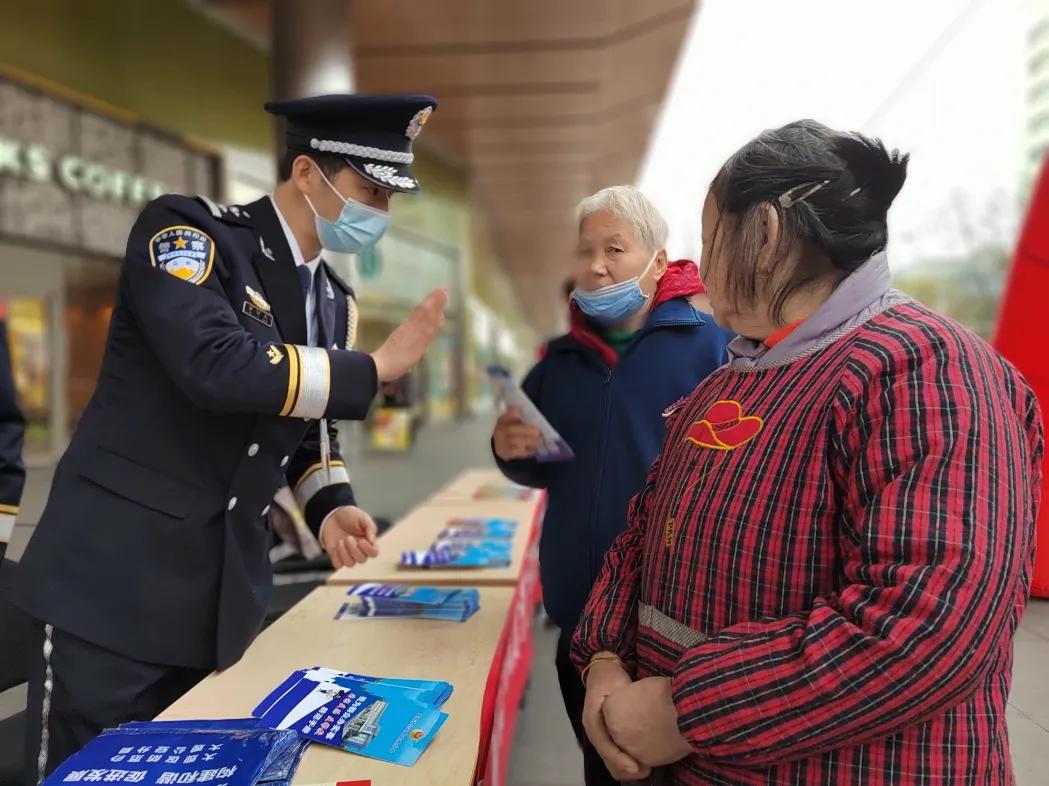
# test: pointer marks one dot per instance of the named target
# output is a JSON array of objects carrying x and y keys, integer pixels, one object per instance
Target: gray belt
[{"x": 669, "y": 628}]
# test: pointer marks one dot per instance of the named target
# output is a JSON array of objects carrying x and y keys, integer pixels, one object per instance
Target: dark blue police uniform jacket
[{"x": 154, "y": 542}]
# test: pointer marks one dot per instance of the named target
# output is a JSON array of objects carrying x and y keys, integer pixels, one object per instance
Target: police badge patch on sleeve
[{"x": 184, "y": 252}]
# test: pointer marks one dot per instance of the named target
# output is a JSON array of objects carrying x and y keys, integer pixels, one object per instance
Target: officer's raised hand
[
  {"x": 348, "y": 535},
  {"x": 406, "y": 345}
]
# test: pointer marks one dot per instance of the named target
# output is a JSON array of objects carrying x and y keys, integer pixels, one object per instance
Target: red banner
[{"x": 1023, "y": 335}]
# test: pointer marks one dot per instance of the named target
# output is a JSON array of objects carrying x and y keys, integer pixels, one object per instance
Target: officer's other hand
[
  {"x": 348, "y": 535},
  {"x": 513, "y": 438},
  {"x": 406, "y": 345}
]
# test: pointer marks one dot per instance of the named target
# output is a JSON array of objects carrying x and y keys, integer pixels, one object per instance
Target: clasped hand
[{"x": 632, "y": 725}]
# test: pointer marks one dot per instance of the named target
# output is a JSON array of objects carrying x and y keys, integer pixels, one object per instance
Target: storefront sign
[
  {"x": 73, "y": 173},
  {"x": 77, "y": 177}
]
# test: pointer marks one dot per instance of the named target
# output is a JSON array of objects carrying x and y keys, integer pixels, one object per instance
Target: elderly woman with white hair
[{"x": 635, "y": 347}]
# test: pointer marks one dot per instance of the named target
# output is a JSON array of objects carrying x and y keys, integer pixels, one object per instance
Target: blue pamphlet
[
  {"x": 402, "y": 593},
  {"x": 479, "y": 528},
  {"x": 460, "y": 553},
  {"x": 377, "y": 601},
  {"x": 435, "y": 692},
  {"x": 553, "y": 448},
  {"x": 185, "y": 752},
  {"x": 282, "y": 763},
  {"x": 388, "y": 721}
]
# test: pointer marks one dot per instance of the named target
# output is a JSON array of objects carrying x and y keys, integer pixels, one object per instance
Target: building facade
[
  {"x": 103, "y": 106},
  {"x": 74, "y": 174},
  {"x": 1036, "y": 128}
]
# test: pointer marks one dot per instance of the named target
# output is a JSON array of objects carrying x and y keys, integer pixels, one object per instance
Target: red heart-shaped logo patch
[{"x": 724, "y": 427}]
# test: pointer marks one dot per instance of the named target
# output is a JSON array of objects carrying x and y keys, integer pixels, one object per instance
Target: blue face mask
[
  {"x": 357, "y": 228},
  {"x": 615, "y": 303}
]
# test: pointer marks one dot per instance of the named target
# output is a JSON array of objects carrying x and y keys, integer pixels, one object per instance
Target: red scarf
[{"x": 681, "y": 279}]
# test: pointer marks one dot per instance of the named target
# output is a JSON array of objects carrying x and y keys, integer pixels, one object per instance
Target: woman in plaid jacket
[{"x": 820, "y": 581}]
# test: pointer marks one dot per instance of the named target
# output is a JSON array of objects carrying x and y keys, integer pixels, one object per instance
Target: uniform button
[
  {"x": 232, "y": 503},
  {"x": 265, "y": 510},
  {"x": 254, "y": 449},
  {"x": 284, "y": 461}
]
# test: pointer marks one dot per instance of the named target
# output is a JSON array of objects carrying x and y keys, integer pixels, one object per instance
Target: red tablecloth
[{"x": 508, "y": 674}]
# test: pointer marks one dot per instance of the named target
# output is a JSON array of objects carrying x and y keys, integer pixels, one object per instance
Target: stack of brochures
[
  {"x": 467, "y": 543},
  {"x": 392, "y": 720},
  {"x": 469, "y": 527},
  {"x": 239, "y": 752},
  {"x": 376, "y": 601}
]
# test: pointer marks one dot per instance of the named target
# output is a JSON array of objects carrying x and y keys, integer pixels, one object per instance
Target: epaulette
[{"x": 234, "y": 214}]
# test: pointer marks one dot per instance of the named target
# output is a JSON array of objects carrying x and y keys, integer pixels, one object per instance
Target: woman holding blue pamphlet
[{"x": 635, "y": 347}]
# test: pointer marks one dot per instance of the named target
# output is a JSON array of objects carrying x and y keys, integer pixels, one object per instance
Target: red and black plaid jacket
[{"x": 830, "y": 558}]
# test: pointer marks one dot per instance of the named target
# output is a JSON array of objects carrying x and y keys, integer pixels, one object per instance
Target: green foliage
[{"x": 966, "y": 288}]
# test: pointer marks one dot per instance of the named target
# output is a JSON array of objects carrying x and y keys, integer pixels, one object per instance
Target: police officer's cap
[{"x": 374, "y": 133}]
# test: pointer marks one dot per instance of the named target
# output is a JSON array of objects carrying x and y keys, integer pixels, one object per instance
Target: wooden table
[
  {"x": 461, "y": 653},
  {"x": 465, "y": 486},
  {"x": 417, "y": 530}
]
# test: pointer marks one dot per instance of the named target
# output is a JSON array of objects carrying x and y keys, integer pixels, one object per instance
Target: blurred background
[{"x": 105, "y": 104}]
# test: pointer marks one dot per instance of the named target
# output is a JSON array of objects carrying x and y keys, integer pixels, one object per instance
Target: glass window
[
  {"x": 90, "y": 287},
  {"x": 441, "y": 391},
  {"x": 29, "y": 333}
]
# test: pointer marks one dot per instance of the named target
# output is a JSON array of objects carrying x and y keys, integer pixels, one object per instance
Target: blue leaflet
[
  {"x": 457, "y": 612},
  {"x": 283, "y": 760},
  {"x": 553, "y": 448},
  {"x": 380, "y": 601},
  {"x": 184, "y": 752},
  {"x": 389, "y": 720},
  {"x": 479, "y": 528},
  {"x": 461, "y": 553},
  {"x": 434, "y": 692},
  {"x": 404, "y": 594}
]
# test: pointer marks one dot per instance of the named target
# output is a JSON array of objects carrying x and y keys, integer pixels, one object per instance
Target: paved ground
[{"x": 544, "y": 753}]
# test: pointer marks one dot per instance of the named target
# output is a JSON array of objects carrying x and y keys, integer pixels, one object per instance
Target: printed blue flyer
[
  {"x": 384, "y": 721},
  {"x": 460, "y": 553},
  {"x": 404, "y": 593},
  {"x": 433, "y": 692},
  {"x": 553, "y": 448},
  {"x": 165, "y": 755},
  {"x": 479, "y": 528},
  {"x": 284, "y": 758},
  {"x": 383, "y": 601}
]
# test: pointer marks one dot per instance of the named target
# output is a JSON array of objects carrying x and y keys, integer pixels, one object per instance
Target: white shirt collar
[{"x": 293, "y": 244}]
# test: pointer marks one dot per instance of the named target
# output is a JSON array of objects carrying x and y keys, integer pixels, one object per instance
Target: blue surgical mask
[
  {"x": 357, "y": 228},
  {"x": 615, "y": 303}
]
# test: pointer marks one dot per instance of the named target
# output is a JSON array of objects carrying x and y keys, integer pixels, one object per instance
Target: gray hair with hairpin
[{"x": 787, "y": 200}]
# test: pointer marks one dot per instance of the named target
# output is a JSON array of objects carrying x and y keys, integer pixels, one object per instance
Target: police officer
[
  {"x": 230, "y": 352},
  {"x": 12, "y": 431}
]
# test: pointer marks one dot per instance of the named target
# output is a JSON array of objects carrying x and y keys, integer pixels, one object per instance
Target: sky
[{"x": 956, "y": 106}]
